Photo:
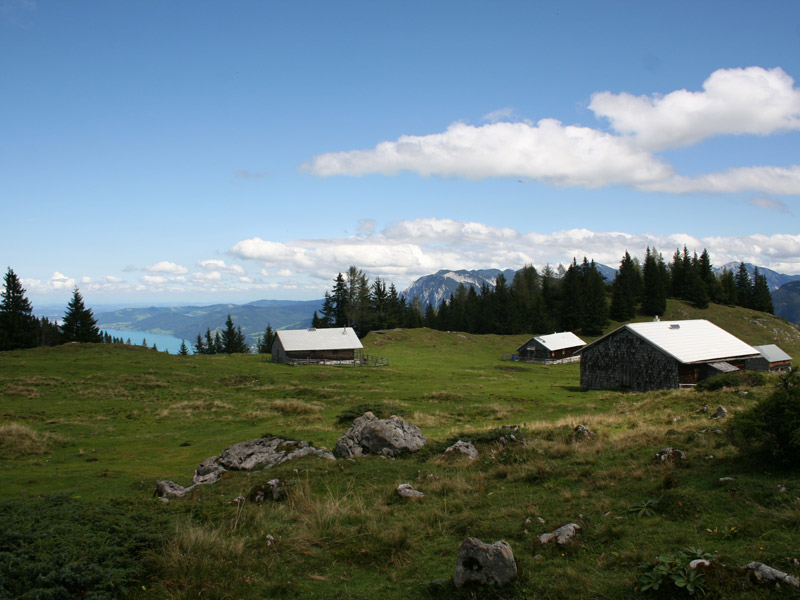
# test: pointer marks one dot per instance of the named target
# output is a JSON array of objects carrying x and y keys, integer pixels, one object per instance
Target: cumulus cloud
[
  {"x": 151, "y": 279},
  {"x": 754, "y": 101},
  {"x": 405, "y": 250},
  {"x": 167, "y": 267},
  {"x": 113, "y": 279},
  {"x": 219, "y": 265},
  {"x": 61, "y": 282},
  {"x": 561, "y": 155}
]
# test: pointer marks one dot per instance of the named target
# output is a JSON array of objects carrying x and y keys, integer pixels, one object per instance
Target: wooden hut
[
  {"x": 661, "y": 355},
  {"x": 335, "y": 344},
  {"x": 772, "y": 359},
  {"x": 553, "y": 347}
]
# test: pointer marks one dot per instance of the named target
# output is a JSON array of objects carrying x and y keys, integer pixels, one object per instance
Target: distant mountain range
[
  {"x": 775, "y": 280},
  {"x": 187, "y": 321}
]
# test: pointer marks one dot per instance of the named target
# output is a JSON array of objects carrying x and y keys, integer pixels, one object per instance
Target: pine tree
[
  {"x": 626, "y": 290},
  {"x": 184, "y": 350},
  {"x": 79, "y": 324},
  {"x": 200, "y": 346},
  {"x": 233, "y": 340},
  {"x": 18, "y": 326},
  {"x": 655, "y": 282},
  {"x": 761, "y": 298},
  {"x": 727, "y": 285},
  {"x": 744, "y": 287},
  {"x": 265, "y": 343},
  {"x": 595, "y": 305}
]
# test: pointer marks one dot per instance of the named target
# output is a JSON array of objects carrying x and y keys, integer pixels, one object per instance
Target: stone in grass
[
  {"x": 671, "y": 455},
  {"x": 484, "y": 564},
  {"x": 404, "y": 490},
  {"x": 581, "y": 432},
  {"x": 720, "y": 413},
  {"x": 275, "y": 490},
  {"x": 387, "y": 437},
  {"x": 465, "y": 448},
  {"x": 561, "y": 536},
  {"x": 169, "y": 489},
  {"x": 766, "y": 574},
  {"x": 209, "y": 471}
]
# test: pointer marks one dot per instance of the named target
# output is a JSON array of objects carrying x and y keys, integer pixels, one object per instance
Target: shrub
[
  {"x": 731, "y": 380},
  {"x": 61, "y": 548},
  {"x": 770, "y": 430}
]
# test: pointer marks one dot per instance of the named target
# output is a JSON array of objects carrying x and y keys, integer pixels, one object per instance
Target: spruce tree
[
  {"x": 626, "y": 290},
  {"x": 744, "y": 286},
  {"x": 200, "y": 346},
  {"x": 595, "y": 305},
  {"x": 184, "y": 350},
  {"x": 655, "y": 283},
  {"x": 265, "y": 343},
  {"x": 18, "y": 327},
  {"x": 761, "y": 298},
  {"x": 79, "y": 324}
]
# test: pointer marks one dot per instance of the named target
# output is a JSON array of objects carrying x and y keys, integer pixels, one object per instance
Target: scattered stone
[
  {"x": 267, "y": 452},
  {"x": 671, "y": 455},
  {"x": 238, "y": 500},
  {"x": 699, "y": 562},
  {"x": 170, "y": 489},
  {"x": 541, "y": 520},
  {"x": 388, "y": 437},
  {"x": 270, "y": 540},
  {"x": 726, "y": 479},
  {"x": 766, "y": 574},
  {"x": 781, "y": 488},
  {"x": 563, "y": 535},
  {"x": 465, "y": 448},
  {"x": 676, "y": 419},
  {"x": 581, "y": 432},
  {"x": 705, "y": 408},
  {"x": 405, "y": 490},
  {"x": 720, "y": 413},
  {"x": 274, "y": 490},
  {"x": 209, "y": 471},
  {"x": 484, "y": 564}
]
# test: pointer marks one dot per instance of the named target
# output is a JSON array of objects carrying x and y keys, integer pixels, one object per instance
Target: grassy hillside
[{"x": 88, "y": 430}]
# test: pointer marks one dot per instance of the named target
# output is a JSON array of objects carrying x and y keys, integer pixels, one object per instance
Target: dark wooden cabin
[
  {"x": 661, "y": 355},
  {"x": 772, "y": 359},
  {"x": 335, "y": 344}
]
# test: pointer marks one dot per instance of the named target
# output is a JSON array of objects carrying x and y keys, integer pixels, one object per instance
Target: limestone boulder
[
  {"x": 463, "y": 448},
  {"x": 370, "y": 435},
  {"x": 484, "y": 564},
  {"x": 267, "y": 452},
  {"x": 561, "y": 536}
]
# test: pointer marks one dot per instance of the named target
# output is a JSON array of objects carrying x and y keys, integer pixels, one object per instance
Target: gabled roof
[
  {"x": 559, "y": 341},
  {"x": 691, "y": 341},
  {"x": 772, "y": 353},
  {"x": 334, "y": 338}
]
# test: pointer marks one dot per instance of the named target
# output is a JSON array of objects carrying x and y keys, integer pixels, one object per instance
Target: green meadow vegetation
[{"x": 86, "y": 430}]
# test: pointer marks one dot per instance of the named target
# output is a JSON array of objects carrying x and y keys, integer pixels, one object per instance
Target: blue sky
[{"x": 156, "y": 152}]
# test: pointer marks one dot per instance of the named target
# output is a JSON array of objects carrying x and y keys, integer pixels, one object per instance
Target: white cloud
[
  {"x": 754, "y": 101},
  {"x": 219, "y": 265},
  {"x": 285, "y": 273},
  {"x": 113, "y": 279},
  {"x": 167, "y": 267},
  {"x": 154, "y": 279},
  {"x": 549, "y": 151},
  {"x": 502, "y": 114},
  {"x": 406, "y": 250},
  {"x": 767, "y": 180},
  {"x": 61, "y": 282},
  {"x": 213, "y": 276},
  {"x": 85, "y": 280}
]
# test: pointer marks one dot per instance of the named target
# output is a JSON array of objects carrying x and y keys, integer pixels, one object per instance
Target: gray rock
[
  {"x": 370, "y": 435},
  {"x": 582, "y": 432},
  {"x": 465, "y": 448},
  {"x": 406, "y": 491},
  {"x": 720, "y": 413},
  {"x": 671, "y": 455},
  {"x": 209, "y": 471},
  {"x": 561, "y": 536},
  {"x": 274, "y": 490},
  {"x": 764, "y": 573},
  {"x": 170, "y": 489},
  {"x": 485, "y": 564},
  {"x": 267, "y": 452}
]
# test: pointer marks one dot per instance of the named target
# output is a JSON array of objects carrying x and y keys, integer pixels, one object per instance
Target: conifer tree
[
  {"x": 233, "y": 340},
  {"x": 184, "y": 350},
  {"x": 265, "y": 343},
  {"x": 744, "y": 286},
  {"x": 727, "y": 284},
  {"x": 655, "y": 283},
  {"x": 200, "y": 346},
  {"x": 761, "y": 298},
  {"x": 18, "y": 326},
  {"x": 595, "y": 305},
  {"x": 626, "y": 290},
  {"x": 79, "y": 324}
]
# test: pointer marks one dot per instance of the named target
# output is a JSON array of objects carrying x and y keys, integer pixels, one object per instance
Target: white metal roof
[
  {"x": 692, "y": 341},
  {"x": 334, "y": 338},
  {"x": 772, "y": 353},
  {"x": 559, "y": 341}
]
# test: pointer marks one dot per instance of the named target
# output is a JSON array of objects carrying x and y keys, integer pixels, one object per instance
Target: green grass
[{"x": 117, "y": 419}]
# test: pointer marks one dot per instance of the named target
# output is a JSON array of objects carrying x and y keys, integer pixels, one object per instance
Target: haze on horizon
[{"x": 209, "y": 152}]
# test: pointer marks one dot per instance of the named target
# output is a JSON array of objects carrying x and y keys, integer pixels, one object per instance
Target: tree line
[{"x": 576, "y": 298}]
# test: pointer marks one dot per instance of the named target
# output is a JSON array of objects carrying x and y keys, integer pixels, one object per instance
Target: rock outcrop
[
  {"x": 485, "y": 564},
  {"x": 561, "y": 536},
  {"x": 465, "y": 448},
  {"x": 370, "y": 435}
]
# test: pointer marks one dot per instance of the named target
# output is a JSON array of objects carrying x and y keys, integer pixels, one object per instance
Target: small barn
[
  {"x": 772, "y": 359},
  {"x": 661, "y": 355},
  {"x": 335, "y": 344},
  {"x": 553, "y": 347}
]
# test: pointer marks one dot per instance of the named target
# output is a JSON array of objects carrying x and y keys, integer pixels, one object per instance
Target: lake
[{"x": 161, "y": 340}]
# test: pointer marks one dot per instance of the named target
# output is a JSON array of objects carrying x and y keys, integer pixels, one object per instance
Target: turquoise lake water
[{"x": 162, "y": 341}]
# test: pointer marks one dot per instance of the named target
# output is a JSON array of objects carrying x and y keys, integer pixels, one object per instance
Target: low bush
[
  {"x": 731, "y": 380},
  {"x": 769, "y": 431},
  {"x": 62, "y": 548}
]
